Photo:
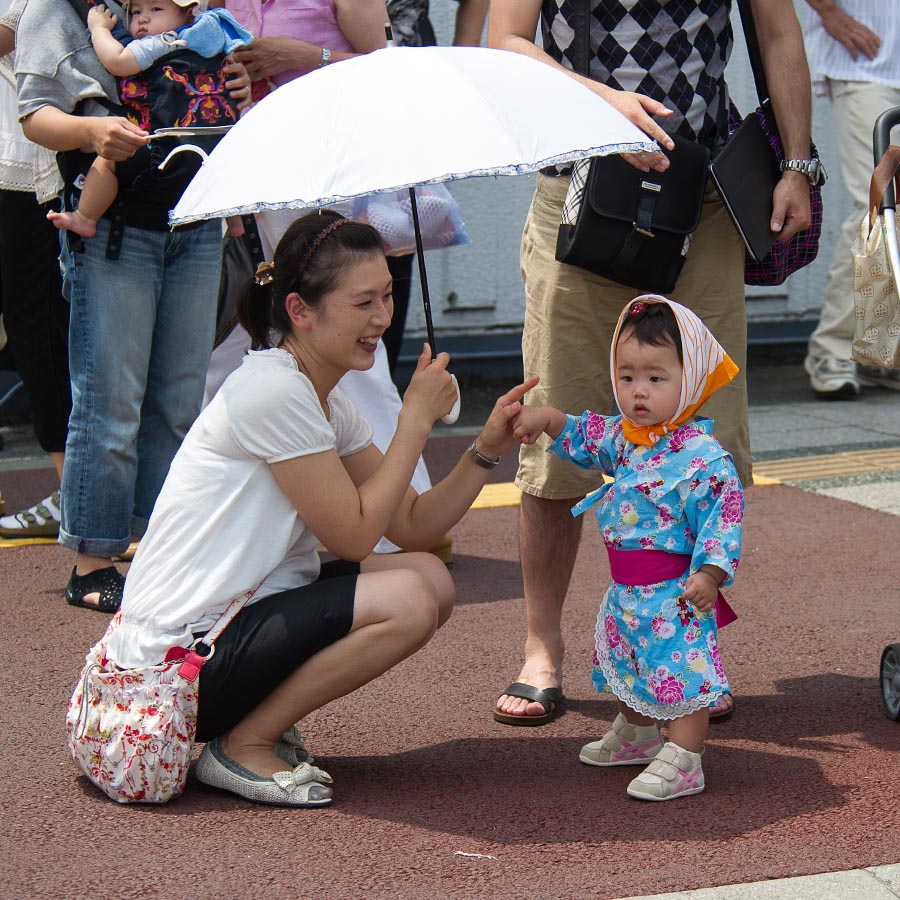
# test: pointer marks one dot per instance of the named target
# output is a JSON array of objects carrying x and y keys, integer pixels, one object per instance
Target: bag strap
[
  {"x": 582, "y": 61},
  {"x": 748, "y": 23},
  {"x": 226, "y": 618},
  {"x": 192, "y": 661}
]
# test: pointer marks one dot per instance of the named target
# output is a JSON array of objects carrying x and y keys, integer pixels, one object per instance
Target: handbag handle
[{"x": 887, "y": 171}]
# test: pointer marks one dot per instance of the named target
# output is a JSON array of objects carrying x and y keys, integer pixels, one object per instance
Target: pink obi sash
[{"x": 640, "y": 567}]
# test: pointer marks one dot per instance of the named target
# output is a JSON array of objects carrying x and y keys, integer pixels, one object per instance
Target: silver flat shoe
[
  {"x": 292, "y": 749},
  {"x": 301, "y": 787}
]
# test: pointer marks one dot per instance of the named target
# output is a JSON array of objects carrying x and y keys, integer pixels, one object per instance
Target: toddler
[
  {"x": 671, "y": 523},
  {"x": 159, "y": 27}
]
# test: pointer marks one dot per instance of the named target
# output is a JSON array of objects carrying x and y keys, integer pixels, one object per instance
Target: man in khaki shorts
[{"x": 570, "y": 313}]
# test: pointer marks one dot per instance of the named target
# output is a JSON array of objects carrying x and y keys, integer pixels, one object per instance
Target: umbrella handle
[
  {"x": 192, "y": 147},
  {"x": 453, "y": 415}
]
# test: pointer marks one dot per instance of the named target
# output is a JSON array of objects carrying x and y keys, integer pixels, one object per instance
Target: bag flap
[
  {"x": 615, "y": 188},
  {"x": 746, "y": 173}
]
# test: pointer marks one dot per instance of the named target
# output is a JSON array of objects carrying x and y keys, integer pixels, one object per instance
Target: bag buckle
[{"x": 645, "y": 209}]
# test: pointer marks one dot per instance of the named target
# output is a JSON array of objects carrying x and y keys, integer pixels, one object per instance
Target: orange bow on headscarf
[{"x": 707, "y": 367}]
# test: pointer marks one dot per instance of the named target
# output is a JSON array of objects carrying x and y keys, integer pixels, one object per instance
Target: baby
[{"x": 158, "y": 27}]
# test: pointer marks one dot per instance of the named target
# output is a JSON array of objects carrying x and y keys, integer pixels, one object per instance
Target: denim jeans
[{"x": 140, "y": 335}]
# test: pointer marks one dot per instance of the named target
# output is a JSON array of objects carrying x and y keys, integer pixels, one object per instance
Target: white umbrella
[{"x": 328, "y": 136}]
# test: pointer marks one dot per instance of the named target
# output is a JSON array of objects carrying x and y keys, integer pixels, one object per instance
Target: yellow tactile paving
[
  {"x": 773, "y": 471},
  {"x": 25, "y": 542},
  {"x": 829, "y": 465}
]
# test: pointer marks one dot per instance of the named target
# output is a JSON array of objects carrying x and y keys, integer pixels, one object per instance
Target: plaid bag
[{"x": 784, "y": 258}]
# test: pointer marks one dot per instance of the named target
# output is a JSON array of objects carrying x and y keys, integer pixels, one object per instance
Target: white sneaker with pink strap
[
  {"x": 623, "y": 745},
  {"x": 675, "y": 772}
]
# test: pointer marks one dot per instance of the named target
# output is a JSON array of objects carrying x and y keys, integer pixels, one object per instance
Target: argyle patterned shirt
[{"x": 674, "y": 51}]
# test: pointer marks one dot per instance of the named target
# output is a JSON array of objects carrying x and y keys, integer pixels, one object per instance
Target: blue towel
[{"x": 214, "y": 31}]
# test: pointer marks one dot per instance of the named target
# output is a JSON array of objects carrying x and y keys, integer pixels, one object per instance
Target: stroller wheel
[{"x": 890, "y": 681}]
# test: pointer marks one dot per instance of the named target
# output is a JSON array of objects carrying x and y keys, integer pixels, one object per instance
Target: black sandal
[
  {"x": 550, "y": 698},
  {"x": 109, "y": 583}
]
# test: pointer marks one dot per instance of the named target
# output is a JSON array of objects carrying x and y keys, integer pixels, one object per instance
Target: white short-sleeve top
[{"x": 221, "y": 525}]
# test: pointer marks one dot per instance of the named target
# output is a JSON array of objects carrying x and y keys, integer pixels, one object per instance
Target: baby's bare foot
[{"x": 73, "y": 221}]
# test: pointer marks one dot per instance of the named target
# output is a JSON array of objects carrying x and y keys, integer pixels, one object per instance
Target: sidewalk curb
[{"x": 873, "y": 883}]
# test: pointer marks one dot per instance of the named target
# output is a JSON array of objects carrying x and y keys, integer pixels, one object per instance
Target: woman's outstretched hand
[
  {"x": 497, "y": 434},
  {"x": 431, "y": 392}
]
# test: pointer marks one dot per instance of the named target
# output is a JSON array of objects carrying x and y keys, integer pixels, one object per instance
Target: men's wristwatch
[
  {"x": 326, "y": 57},
  {"x": 811, "y": 168}
]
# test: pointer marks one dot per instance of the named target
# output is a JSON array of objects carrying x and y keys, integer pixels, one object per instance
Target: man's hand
[
  {"x": 268, "y": 56},
  {"x": 850, "y": 33},
  {"x": 237, "y": 82},
  {"x": 790, "y": 213},
  {"x": 638, "y": 109}
]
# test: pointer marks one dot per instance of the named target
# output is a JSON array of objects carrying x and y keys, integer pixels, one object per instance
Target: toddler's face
[
  {"x": 146, "y": 17},
  {"x": 648, "y": 380}
]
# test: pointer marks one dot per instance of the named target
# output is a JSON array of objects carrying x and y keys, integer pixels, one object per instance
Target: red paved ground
[{"x": 803, "y": 779}]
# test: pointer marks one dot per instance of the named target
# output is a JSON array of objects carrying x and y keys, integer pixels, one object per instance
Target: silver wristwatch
[
  {"x": 811, "y": 168},
  {"x": 326, "y": 57}
]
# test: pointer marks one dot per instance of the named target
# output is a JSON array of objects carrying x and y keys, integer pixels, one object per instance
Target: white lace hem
[{"x": 663, "y": 711}]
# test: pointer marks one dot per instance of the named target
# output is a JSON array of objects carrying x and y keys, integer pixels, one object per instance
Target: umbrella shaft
[{"x": 423, "y": 279}]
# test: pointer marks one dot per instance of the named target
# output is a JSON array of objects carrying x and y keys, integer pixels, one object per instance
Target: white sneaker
[
  {"x": 40, "y": 520},
  {"x": 835, "y": 379},
  {"x": 674, "y": 773},
  {"x": 623, "y": 745},
  {"x": 879, "y": 377}
]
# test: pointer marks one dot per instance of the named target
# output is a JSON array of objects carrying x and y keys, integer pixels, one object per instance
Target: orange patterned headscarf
[{"x": 706, "y": 368}]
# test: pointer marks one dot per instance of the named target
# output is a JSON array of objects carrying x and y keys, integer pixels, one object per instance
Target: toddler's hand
[
  {"x": 702, "y": 589},
  {"x": 101, "y": 17},
  {"x": 530, "y": 423}
]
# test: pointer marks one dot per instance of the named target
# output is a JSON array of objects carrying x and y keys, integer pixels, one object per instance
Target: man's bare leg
[{"x": 548, "y": 542}]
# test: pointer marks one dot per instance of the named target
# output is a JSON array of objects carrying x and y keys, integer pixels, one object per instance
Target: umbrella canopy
[{"x": 328, "y": 136}]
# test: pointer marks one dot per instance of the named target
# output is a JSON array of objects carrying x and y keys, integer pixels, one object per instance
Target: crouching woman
[{"x": 279, "y": 463}]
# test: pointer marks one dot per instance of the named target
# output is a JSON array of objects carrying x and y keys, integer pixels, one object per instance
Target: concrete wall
[{"x": 476, "y": 290}]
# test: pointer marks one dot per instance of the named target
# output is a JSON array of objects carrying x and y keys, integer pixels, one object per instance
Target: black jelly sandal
[
  {"x": 550, "y": 698},
  {"x": 109, "y": 583}
]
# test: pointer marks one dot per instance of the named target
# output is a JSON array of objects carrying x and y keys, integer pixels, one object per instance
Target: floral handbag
[
  {"x": 131, "y": 730},
  {"x": 875, "y": 292}
]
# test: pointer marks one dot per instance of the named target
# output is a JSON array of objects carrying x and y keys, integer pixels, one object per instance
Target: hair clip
[
  {"x": 637, "y": 308},
  {"x": 265, "y": 273}
]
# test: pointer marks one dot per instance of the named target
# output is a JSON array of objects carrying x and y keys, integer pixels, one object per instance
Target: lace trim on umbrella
[{"x": 512, "y": 169}]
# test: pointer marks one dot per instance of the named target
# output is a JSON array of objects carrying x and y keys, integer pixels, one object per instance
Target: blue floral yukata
[{"x": 653, "y": 649}]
